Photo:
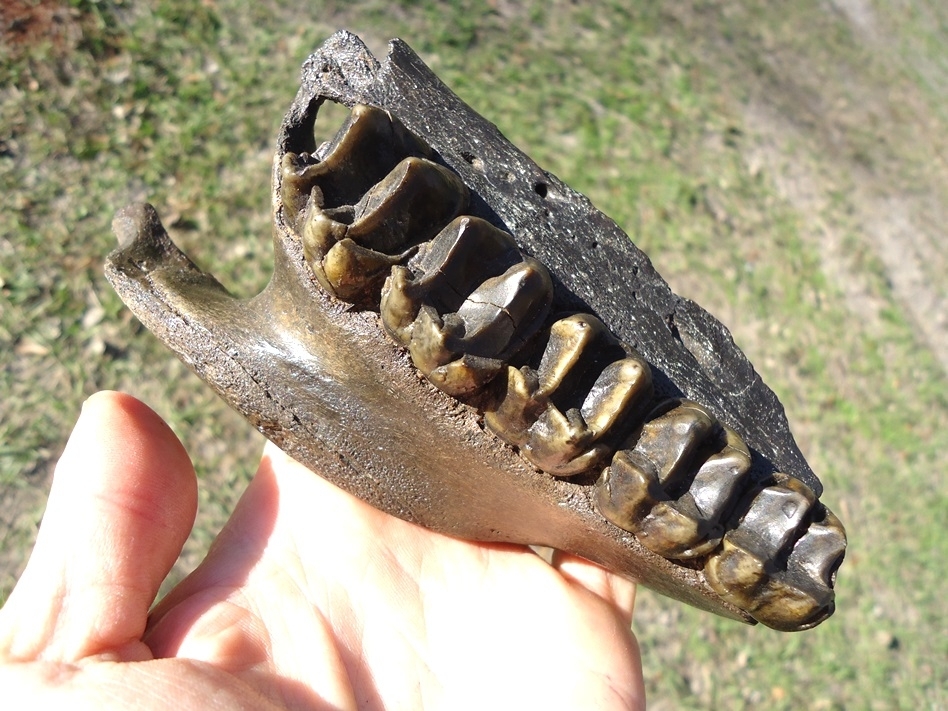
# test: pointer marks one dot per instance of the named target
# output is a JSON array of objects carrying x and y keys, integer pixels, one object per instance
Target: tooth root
[{"x": 754, "y": 571}]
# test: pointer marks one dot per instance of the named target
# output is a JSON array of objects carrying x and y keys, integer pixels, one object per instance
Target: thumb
[{"x": 122, "y": 504}]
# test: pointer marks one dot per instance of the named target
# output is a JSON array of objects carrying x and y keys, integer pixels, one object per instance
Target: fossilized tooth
[
  {"x": 780, "y": 560},
  {"x": 364, "y": 150},
  {"x": 587, "y": 391},
  {"x": 468, "y": 302},
  {"x": 324, "y": 381},
  {"x": 675, "y": 480},
  {"x": 354, "y": 224}
]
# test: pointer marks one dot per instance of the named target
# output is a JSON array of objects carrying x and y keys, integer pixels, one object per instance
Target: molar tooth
[
  {"x": 671, "y": 439},
  {"x": 680, "y": 446},
  {"x": 351, "y": 249},
  {"x": 465, "y": 304},
  {"x": 774, "y": 516},
  {"x": 413, "y": 202},
  {"x": 821, "y": 550},
  {"x": 784, "y": 589},
  {"x": 563, "y": 423},
  {"x": 718, "y": 481},
  {"x": 364, "y": 150}
]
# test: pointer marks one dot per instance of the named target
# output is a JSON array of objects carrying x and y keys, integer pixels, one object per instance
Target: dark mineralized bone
[{"x": 308, "y": 364}]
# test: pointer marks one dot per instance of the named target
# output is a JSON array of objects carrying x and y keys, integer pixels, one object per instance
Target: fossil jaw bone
[
  {"x": 319, "y": 377},
  {"x": 470, "y": 302}
]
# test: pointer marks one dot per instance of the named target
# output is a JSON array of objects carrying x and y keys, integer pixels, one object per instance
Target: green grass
[{"x": 646, "y": 111}]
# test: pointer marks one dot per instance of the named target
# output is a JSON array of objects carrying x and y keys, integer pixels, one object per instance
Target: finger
[
  {"x": 224, "y": 615},
  {"x": 614, "y": 589},
  {"x": 121, "y": 506}
]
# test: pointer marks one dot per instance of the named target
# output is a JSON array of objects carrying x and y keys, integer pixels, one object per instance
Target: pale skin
[{"x": 308, "y": 598}]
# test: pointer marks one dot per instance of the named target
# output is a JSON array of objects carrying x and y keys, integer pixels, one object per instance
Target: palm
[{"x": 309, "y": 598}]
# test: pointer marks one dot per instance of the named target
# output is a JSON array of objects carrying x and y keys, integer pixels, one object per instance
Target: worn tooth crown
[
  {"x": 466, "y": 304},
  {"x": 674, "y": 479},
  {"x": 358, "y": 211},
  {"x": 586, "y": 392},
  {"x": 779, "y": 562},
  {"x": 368, "y": 145},
  {"x": 472, "y": 310}
]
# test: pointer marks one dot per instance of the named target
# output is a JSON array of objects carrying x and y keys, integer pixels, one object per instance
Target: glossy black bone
[
  {"x": 675, "y": 480},
  {"x": 779, "y": 560},
  {"x": 567, "y": 413},
  {"x": 465, "y": 304}
]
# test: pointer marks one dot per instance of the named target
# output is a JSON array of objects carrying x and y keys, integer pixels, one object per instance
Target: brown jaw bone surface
[{"x": 431, "y": 236}]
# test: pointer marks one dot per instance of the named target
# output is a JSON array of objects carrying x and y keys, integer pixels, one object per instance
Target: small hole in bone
[
  {"x": 474, "y": 161},
  {"x": 540, "y": 189}
]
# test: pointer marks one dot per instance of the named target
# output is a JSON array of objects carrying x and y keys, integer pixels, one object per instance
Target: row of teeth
[{"x": 383, "y": 226}]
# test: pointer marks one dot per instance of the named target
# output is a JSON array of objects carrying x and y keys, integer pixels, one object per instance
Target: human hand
[{"x": 308, "y": 599}]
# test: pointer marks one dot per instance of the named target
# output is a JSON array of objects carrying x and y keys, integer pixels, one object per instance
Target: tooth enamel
[
  {"x": 352, "y": 249},
  {"x": 364, "y": 150},
  {"x": 779, "y": 562},
  {"x": 563, "y": 423},
  {"x": 674, "y": 479},
  {"x": 465, "y": 304}
]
